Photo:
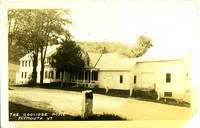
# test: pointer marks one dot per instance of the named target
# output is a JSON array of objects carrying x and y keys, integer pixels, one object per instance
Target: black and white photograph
[{"x": 102, "y": 60}]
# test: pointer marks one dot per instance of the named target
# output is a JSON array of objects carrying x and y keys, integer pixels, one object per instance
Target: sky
[{"x": 172, "y": 24}]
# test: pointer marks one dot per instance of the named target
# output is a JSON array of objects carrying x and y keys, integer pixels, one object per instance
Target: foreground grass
[{"x": 19, "y": 112}]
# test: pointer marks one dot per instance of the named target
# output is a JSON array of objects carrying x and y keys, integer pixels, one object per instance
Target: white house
[
  {"x": 169, "y": 76},
  {"x": 87, "y": 76}
]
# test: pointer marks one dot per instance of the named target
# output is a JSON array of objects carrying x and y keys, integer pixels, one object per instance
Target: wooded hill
[
  {"x": 106, "y": 47},
  {"x": 17, "y": 52}
]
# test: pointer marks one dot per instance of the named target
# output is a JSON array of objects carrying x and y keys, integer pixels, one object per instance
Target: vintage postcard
[{"x": 101, "y": 63}]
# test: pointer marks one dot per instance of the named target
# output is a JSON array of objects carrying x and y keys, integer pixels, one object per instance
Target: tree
[
  {"x": 15, "y": 51},
  {"x": 51, "y": 28},
  {"x": 36, "y": 29},
  {"x": 142, "y": 45},
  {"x": 104, "y": 50},
  {"x": 68, "y": 58},
  {"x": 22, "y": 32}
]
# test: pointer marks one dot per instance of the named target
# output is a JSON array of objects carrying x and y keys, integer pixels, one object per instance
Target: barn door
[
  {"x": 108, "y": 81},
  {"x": 147, "y": 80}
]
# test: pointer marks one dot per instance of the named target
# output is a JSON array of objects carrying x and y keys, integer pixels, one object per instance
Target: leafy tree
[
  {"x": 15, "y": 51},
  {"x": 52, "y": 31},
  {"x": 68, "y": 58},
  {"x": 22, "y": 32},
  {"x": 35, "y": 29},
  {"x": 142, "y": 45},
  {"x": 104, "y": 50}
]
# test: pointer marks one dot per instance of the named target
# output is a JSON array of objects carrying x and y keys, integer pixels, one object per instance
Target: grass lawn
[{"x": 19, "y": 112}]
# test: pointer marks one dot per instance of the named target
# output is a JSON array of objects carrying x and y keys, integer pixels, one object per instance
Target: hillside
[{"x": 97, "y": 47}]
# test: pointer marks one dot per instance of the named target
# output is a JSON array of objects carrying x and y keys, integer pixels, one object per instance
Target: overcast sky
[{"x": 170, "y": 23}]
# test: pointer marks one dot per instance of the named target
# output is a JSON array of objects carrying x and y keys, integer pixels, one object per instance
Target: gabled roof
[
  {"x": 94, "y": 58},
  {"x": 26, "y": 57},
  {"x": 50, "y": 50},
  {"x": 114, "y": 62}
]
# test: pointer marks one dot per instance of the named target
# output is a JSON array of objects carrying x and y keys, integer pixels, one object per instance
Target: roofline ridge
[{"x": 98, "y": 60}]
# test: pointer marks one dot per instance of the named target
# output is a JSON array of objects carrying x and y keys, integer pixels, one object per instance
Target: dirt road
[{"x": 70, "y": 103}]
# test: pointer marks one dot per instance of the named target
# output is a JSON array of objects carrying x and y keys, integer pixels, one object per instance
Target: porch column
[
  {"x": 77, "y": 76},
  {"x": 90, "y": 76},
  {"x": 64, "y": 77},
  {"x": 84, "y": 76}
]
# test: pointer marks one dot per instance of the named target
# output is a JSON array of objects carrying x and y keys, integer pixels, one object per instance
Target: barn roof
[
  {"x": 114, "y": 62},
  {"x": 155, "y": 54}
]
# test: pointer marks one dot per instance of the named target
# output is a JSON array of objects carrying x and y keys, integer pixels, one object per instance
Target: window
[
  {"x": 168, "y": 94},
  {"x": 168, "y": 77},
  {"x": 57, "y": 75},
  {"x": 22, "y": 63},
  {"x": 49, "y": 60},
  {"x": 46, "y": 75},
  {"x": 95, "y": 75},
  {"x": 52, "y": 75},
  {"x": 134, "y": 79},
  {"x": 25, "y": 75},
  {"x": 82, "y": 75},
  {"x": 22, "y": 74},
  {"x": 88, "y": 62},
  {"x": 49, "y": 74},
  {"x": 79, "y": 77},
  {"x": 121, "y": 78},
  {"x": 26, "y": 64},
  {"x": 29, "y": 63}
]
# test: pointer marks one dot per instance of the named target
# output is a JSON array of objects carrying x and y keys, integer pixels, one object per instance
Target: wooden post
[
  {"x": 158, "y": 98},
  {"x": 90, "y": 77},
  {"x": 131, "y": 91},
  {"x": 87, "y": 104},
  {"x": 107, "y": 89},
  {"x": 64, "y": 75}
]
